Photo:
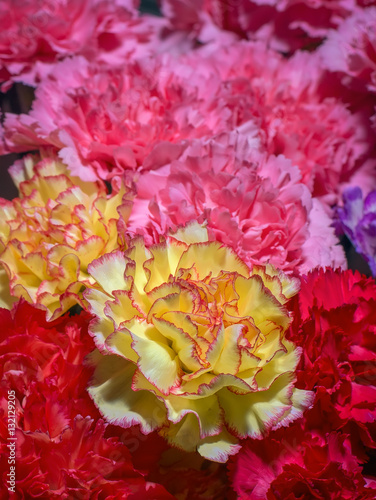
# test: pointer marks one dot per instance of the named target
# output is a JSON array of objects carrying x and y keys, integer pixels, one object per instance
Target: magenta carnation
[
  {"x": 294, "y": 464},
  {"x": 253, "y": 203}
]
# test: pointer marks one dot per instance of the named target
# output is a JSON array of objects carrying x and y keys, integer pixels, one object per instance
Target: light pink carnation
[
  {"x": 35, "y": 34},
  {"x": 104, "y": 120},
  {"x": 253, "y": 203},
  {"x": 286, "y": 25}
]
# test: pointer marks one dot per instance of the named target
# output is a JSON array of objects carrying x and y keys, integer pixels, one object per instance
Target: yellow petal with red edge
[
  {"x": 120, "y": 343},
  {"x": 6, "y": 299},
  {"x": 220, "y": 258},
  {"x": 280, "y": 284},
  {"x": 108, "y": 271},
  {"x": 206, "y": 410},
  {"x": 121, "y": 309},
  {"x": 219, "y": 448},
  {"x": 159, "y": 364},
  {"x": 164, "y": 263},
  {"x": 182, "y": 343},
  {"x": 230, "y": 356},
  {"x": 139, "y": 254},
  {"x": 250, "y": 415},
  {"x": 282, "y": 361},
  {"x": 193, "y": 232},
  {"x": 117, "y": 403},
  {"x": 184, "y": 435},
  {"x": 301, "y": 401},
  {"x": 258, "y": 303},
  {"x": 169, "y": 298}
]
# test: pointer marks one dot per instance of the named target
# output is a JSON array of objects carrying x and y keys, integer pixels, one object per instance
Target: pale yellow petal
[
  {"x": 108, "y": 271},
  {"x": 250, "y": 415},
  {"x": 219, "y": 448},
  {"x": 118, "y": 403}
]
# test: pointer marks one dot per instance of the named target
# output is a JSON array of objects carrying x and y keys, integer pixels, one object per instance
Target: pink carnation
[
  {"x": 141, "y": 116},
  {"x": 286, "y": 100},
  {"x": 351, "y": 50},
  {"x": 253, "y": 203},
  {"x": 350, "y": 54},
  {"x": 105, "y": 120},
  {"x": 37, "y": 34},
  {"x": 287, "y": 25}
]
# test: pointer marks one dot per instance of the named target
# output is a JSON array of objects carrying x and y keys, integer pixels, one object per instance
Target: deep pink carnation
[
  {"x": 253, "y": 203},
  {"x": 35, "y": 34},
  {"x": 295, "y": 464},
  {"x": 320, "y": 455},
  {"x": 287, "y": 25}
]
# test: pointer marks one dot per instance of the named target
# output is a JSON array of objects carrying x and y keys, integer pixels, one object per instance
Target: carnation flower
[
  {"x": 36, "y": 35},
  {"x": 191, "y": 343},
  {"x": 335, "y": 321},
  {"x": 52, "y": 232},
  {"x": 61, "y": 452},
  {"x": 350, "y": 50},
  {"x": 103, "y": 121},
  {"x": 253, "y": 203},
  {"x": 295, "y": 464},
  {"x": 286, "y": 25},
  {"x": 42, "y": 361},
  {"x": 357, "y": 219},
  {"x": 81, "y": 464},
  {"x": 350, "y": 54},
  {"x": 286, "y": 101}
]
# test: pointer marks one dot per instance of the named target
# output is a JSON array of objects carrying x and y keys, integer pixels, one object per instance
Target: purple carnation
[{"x": 358, "y": 222}]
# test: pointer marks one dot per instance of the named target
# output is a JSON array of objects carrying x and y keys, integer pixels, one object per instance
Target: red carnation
[
  {"x": 335, "y": 323},
  {"x": 62, "y": 450}
]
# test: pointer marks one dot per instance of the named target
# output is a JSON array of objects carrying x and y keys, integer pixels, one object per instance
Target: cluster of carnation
[{"x": 177, "y": 317}]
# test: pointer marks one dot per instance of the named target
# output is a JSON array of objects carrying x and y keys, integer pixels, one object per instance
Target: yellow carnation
[
  {"x": 50, "y": 234},
  {"x": 191, "y": 343}
]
